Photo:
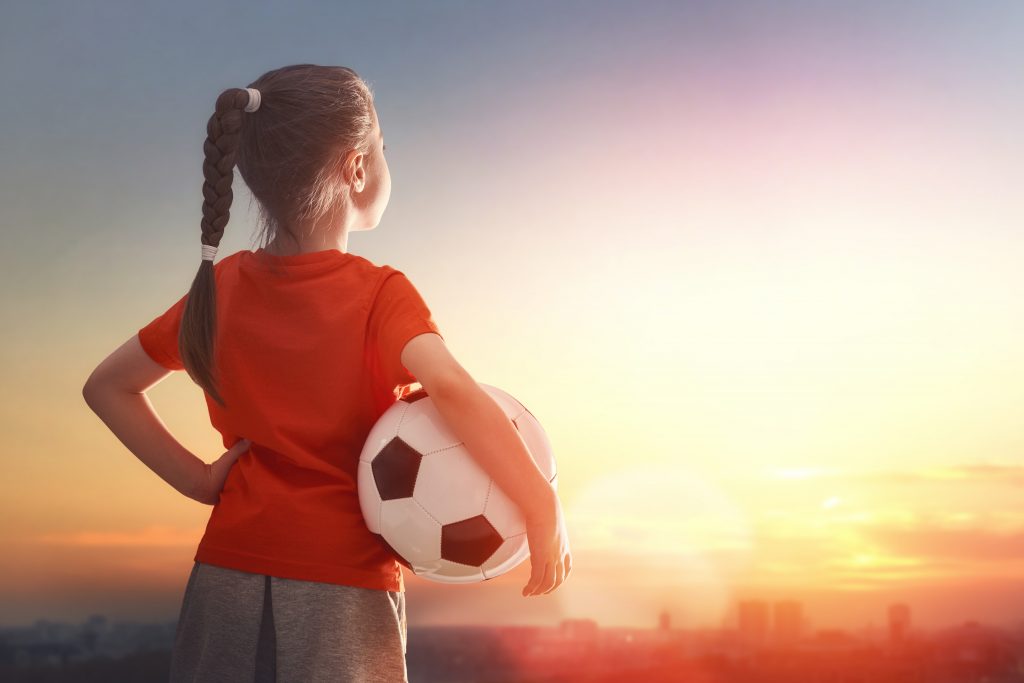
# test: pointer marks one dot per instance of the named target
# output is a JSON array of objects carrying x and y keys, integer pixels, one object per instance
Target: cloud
[
  {"x": 1010, "y": 475},
  {"x": 163, "y": 536},
  {"x": 968, "y": 545}
]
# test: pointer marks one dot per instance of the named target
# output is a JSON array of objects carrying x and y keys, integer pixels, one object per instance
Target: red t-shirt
[{"x": 308, "y": 359}]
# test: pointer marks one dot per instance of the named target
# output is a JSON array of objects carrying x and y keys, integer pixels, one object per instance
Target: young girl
[{"x": 299, "y": 347}]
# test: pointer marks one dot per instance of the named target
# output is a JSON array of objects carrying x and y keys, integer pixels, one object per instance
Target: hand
[
  {"x": 550, "y": 557},
  {"x": 214, "y": 474}
]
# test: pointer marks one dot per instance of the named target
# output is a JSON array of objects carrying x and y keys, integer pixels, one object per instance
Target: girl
[{"x": 299, "y": 347}]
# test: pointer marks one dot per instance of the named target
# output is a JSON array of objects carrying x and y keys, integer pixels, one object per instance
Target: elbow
[
  {"x": 88, "y": 393},
  {"x": 91, "y": 389}
]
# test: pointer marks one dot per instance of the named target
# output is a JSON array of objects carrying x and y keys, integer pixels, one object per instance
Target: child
[{"x": 299, "y": 347}]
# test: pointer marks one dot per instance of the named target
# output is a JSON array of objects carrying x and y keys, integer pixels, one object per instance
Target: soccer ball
[{"x": 434, "y": 506}]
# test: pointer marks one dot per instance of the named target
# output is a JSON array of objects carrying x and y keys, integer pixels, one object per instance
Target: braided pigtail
[
  {"x": 199, "y": 318},
  {"x": 288, "y": 154}
]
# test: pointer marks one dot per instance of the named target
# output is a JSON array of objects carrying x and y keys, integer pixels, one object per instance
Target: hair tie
[
  {"x": 209, "y": 251},
  {"x": 254, "y": 99}
]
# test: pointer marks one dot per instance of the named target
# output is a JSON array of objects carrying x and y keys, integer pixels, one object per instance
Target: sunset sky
[{"x": 752, "y": 265}]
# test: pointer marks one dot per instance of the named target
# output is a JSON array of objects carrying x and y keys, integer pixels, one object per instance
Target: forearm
[
  {"x": 130, "y": 416},
  {"x": 494, "y": 442}
]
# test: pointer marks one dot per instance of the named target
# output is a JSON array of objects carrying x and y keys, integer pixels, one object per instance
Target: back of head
[{"x": 288, "y": 151}]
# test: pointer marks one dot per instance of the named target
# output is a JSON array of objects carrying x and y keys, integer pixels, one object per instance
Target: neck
[{"x": 287, "y": 246}]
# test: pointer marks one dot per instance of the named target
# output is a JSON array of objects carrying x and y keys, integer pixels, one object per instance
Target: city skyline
[{"x": 580, "y": 649}]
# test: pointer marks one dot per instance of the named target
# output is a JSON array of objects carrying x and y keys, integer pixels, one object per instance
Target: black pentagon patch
[
  {"x": 470, "y": 541},
  {"x": 394, "y": 552},
  {"x": 414, "y": 396},
  {"x": 395, "y": 469}
]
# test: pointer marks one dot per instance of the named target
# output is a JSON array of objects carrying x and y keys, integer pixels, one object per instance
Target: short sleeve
[
  {"x": 159, "y": 338},
  {"x": 397, "y": 315}
]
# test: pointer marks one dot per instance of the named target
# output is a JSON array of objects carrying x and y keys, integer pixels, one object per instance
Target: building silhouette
[
  {"x": 753, "y": 622},
  {"x": 899, "y": 623},
  {"x": 664, "y": 621},
  {"x": 788, "y": 622}
]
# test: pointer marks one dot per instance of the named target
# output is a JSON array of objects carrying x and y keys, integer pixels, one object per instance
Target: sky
[{"x": 752, "y": 265}]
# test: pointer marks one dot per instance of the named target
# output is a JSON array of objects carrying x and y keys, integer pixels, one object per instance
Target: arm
[
  {"x": 494, "y": 442},
  {"x": 115, "y": 391},
  {"x": 481, "y": 424}
]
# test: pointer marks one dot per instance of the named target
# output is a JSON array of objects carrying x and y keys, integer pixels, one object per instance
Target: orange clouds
[{"x": 156, "y": 535}]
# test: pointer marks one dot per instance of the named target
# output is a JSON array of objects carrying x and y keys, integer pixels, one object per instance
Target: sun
[{"x": 646, "y": 538}]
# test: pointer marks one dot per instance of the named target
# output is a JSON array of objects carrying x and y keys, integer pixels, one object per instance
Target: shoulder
[
  {"x": 226, "y": 265},
  {"x": 388, "y": 277},
  {"x": 377, "y": 273},
  {"x": 391, "y": 286},
  {"x": 380, "y": 269},
  {"x": 229, "y": 261}
]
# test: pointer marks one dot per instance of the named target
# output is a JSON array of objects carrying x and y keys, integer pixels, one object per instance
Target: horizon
[
  {"x": 754, "y": 268},
  {"x": 810, "y": 630}
]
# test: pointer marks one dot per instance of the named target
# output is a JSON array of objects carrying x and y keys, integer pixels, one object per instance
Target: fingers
[
  {"x": 217, "y": 472},
  {"x": 528, "y": 588},
  {"x": 535, "y": 576},
  {"x": 558, "y": 575},
  {"x": 544, "y": 584},
  {"x": 236, "y": 451},
  {"x": 551, "y": 578}
]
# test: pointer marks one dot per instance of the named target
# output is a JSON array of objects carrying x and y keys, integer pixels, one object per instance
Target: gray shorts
[{"x": 239, "y": 627}]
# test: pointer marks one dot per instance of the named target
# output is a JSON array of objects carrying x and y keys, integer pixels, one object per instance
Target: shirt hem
[{"x": 257, "y": 564}]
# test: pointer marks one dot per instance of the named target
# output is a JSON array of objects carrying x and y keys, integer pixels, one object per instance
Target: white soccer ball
[{"x": 433, "y": 504}]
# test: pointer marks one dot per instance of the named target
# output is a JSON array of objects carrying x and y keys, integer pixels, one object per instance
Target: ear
[
  {"x": 353, "y": 170},
  {"x": 129, "y": 368}
]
